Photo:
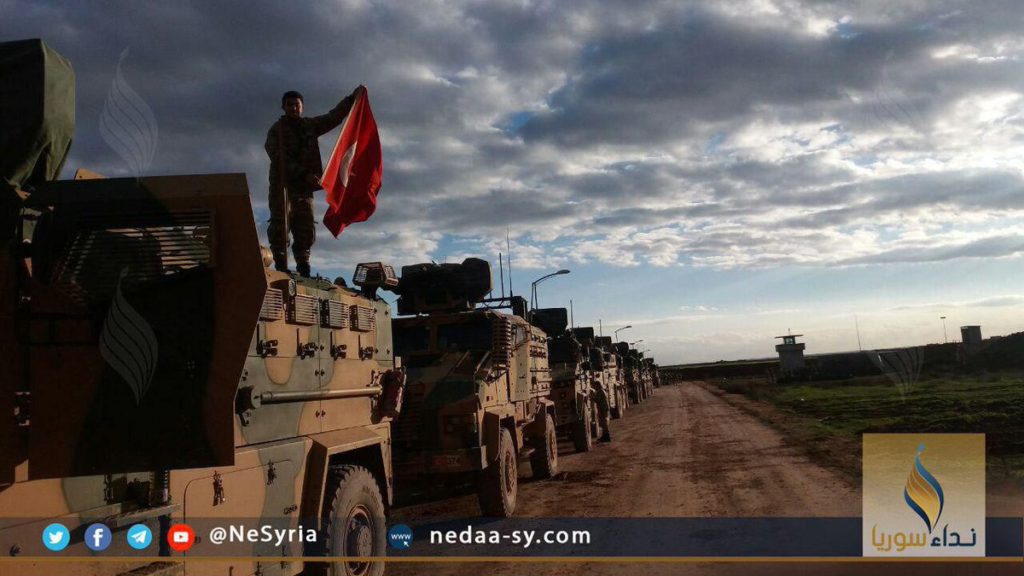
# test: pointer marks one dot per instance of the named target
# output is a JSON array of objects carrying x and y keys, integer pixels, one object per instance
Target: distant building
[
  {"x": 791, "y": 354},
  {"x": 971, "y": 338}
]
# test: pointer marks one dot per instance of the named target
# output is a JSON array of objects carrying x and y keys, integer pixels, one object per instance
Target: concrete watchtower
[{"x": 791, "y": 354}]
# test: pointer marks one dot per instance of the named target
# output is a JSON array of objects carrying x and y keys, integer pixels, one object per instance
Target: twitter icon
[
  {"x": 56, "y": 537},
  {"x": 140, "y": 536}
]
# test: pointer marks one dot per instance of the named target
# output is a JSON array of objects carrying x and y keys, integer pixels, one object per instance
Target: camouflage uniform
[
  {"x": 601, "y": 399},
  {"x": 295, "y": 156}
]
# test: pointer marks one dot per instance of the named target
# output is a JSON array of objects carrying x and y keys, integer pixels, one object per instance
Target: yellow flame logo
[{"x": 923, "y": 493}]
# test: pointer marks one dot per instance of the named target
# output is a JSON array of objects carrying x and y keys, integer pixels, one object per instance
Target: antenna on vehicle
[
  {"x": 501, "y": 270},
  {"x": 572, "y": 323},
  {"x": 508, "y": 245}
]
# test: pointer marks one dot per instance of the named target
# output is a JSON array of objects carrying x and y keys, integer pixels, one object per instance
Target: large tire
[
  {"x": 354, "y": 522},
  {"x": 500, "y": 480},
  {"x": 581, "y": 435},
  {"x": 544, "y": 459}
]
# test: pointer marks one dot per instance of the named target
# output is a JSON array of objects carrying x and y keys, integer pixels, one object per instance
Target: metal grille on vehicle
[
  {"x": 501, "y": 341},
  {"x": 406, "y": 430},
  {"x": 273, "y": 305},
  {"x": 333, "y": 314},
  {"x": 303, "y": 310},
  {"x": 140, "y": 248},
  {"x": 363, "y": 318}
]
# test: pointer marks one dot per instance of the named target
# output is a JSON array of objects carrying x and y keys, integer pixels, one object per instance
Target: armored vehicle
[
  {"x": 652, "y": 371},
  {"x": 646, "y": 376},
  {"x": 614, "y": 374},
  {"x": 632, "y": 372},
  {"x": 652, "y": 376},
  {"x": 156, "y": 372},
  {"x": 571, "y": 376},
  {"x": 478, "y": 384}
]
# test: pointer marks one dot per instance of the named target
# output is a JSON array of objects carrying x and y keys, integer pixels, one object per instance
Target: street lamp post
[
  {"x": 945, "y": 340},
  {"x": 533, "y": 286},
  {"x": 615, "y": 333}
]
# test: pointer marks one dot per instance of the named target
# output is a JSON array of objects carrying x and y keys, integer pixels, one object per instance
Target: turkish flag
[{"x": 353, "y": 174}]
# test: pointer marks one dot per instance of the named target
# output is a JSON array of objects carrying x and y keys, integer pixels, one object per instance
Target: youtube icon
[{"x": 181, "y": 537}]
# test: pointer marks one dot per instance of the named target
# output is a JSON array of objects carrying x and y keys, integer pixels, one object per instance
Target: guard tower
[
  {"x": 791, "y": 354},
  {"x": 971, "y": 337}
]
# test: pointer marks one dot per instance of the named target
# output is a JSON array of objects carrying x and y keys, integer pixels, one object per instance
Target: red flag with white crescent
[{"x": 353, "y": 174}]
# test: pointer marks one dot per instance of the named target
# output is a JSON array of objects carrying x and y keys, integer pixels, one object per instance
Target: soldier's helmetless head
[{"x": 291, "y": 103}]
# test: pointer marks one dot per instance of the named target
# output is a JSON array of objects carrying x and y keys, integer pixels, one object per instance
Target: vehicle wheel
[
  {"x": 354, "y": 523},
  {"x": 499, "y": 481},
  {"x": 544, "y": 460},
  {"x": 581, "y": 438}
]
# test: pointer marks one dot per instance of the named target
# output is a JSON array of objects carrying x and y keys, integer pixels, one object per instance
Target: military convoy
[
  {"x": 571, "y": 378},
  {"x": 478, "y": 383},
  {"x": 157, "y": 370}
]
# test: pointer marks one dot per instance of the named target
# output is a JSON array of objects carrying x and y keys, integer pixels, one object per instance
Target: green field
[{"x": 829, "y": 417}]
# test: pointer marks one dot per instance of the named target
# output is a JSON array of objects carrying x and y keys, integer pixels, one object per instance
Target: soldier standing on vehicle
[
  {"x": 295, "y": 169},
  {"x": 601, "y": 399}
]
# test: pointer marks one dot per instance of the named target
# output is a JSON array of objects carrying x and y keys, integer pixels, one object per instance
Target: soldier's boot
[
  {"x": 605, "y": 438},
  {"x": 281, "y": 262},
  {"x": 303, "y": 269}
]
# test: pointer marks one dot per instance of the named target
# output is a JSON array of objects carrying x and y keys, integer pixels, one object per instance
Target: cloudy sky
[{"x": 714, "y": 174}]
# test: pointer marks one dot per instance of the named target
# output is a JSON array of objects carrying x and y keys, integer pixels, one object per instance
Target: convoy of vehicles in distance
[{"x": 571, "y": 378}]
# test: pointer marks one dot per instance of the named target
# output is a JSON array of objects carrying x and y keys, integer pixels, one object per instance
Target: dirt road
[{"x": 683, "y": 453}]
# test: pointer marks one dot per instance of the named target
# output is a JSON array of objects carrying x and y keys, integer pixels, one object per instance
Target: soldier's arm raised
[{"x": 327, "y": 122}]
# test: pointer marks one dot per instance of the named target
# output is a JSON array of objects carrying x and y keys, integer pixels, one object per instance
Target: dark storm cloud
[
  {"x": 992, "y": 247},
  {"x": 493, "y": 210},
  {"x": 970, "y": 191},
  {"x": 697, "y": 69},
  {"x": 689, "y": 131}
]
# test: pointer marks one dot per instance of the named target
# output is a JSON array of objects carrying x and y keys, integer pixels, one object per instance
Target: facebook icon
[{"x": 97, "y": 537}]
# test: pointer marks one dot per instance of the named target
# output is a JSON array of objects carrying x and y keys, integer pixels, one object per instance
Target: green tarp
[
  {"x": 37, "y": 120},
  {"x": 37, "y": 112}
]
